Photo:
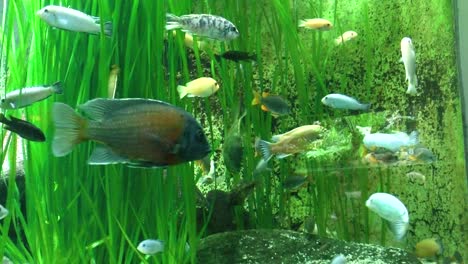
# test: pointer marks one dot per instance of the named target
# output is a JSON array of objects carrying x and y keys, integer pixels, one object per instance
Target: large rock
[{"x": 284, "y": 246}]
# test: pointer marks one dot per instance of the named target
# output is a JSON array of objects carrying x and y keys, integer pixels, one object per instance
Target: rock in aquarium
[
  {"x": 73, "y": 20},
  {"x": 392, "y": 210},
  {"x": 137, "y": 132},
  {"x": 23, "y": 128},
  {"x": 27, "y": 96},
  {"x": 203, "y": 25}
]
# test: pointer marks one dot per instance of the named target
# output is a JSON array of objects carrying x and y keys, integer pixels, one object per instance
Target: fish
[
  {"x": 203, "y": 25},
  {"x": 416, "y": 176},
  {"x": 341, "y": 101},
  {"x": 233, "y": 148},
  {"x": 428, "y": 248},
  {"x": 338, "y": 259},
  {"x": 421, "y": 154},
  {"x": 23, "y": 128},
  {"x": 112, "y": 83},
  {"x": 295, "y": 182},
  {"x": 408, "y": 57},
  {"x": 137, "y": 132},
  {"x": 345, "y": 37},
  {"x": 291, "y": 142},
  {"x": 189, "y": 42},
  {"x": 208, "y": 167},
  {"x": 27, "y": 96},
  {"x": 201, "y": 87},
  {"x": 320, "y": 24},
  {"x": 392, "y": 210},
  {"x": 3, "y": 212},
  {"x": 73, "y": 20},
  {"x": 151, "y": 246},
  {"x": 273, "y": 103},
  {"x": 392, "y": 142},
  {"x": 237, "y": 56}
]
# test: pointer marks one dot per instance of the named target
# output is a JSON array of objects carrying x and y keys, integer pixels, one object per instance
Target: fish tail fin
[
  {"x": 265, "y": 148},
  {"x": 108, "y": 29},
  {"x": 413, "y": 138},
  {"x": 257, "y": 98},
  {"x": 398, "y": 229},
  {"x": 253, "y": 56},
  {"x": 302, "y": 23},
  {"x": 411, "y": 89},
  {"x": 182, "y": 90},
  {"x": 69, "y": 129},
  {"x": 172, "y": 22},
  {"x": 366, "y": 107},
  {"x": 57, "y": 87},
  {"x": 3, "y": 118}
]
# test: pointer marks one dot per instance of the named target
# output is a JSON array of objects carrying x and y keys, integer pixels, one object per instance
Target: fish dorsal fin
[
  {"x": 103, "y": 155},
  {"x": 101, "y": 108}
]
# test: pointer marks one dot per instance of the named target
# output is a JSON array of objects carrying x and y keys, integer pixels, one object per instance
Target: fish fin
[
  {"x": 257, "y": 98},
  {"x": 400, "y": 60},
  {"x": 398, "y": 228},
  {"x": 282, "y": 155},
  {"x": 173, "y": 25},
  {"x": 302, "y": 23},
  {"x": 13, "y": 105},
  {"x": 104, "y": 155},
  {"x": 253, "y": 56},
  {"x": 57, "y": 87},
  {"x": 264, "y": 108},
  {"x": 172, "y": 18},
  {"x": 69, "y": 129},
  {"x": 265, "y": 148},
  {"x": 3, "y": 119},
  {"x": 108, "y": 29},
  {"x": 411, "y": 89},
  {"x": 413, "y": 138},
  {"x": 276, "y": 138},
  {"x": 182, "y": 90},
  {"x": 365, "y": 107}
]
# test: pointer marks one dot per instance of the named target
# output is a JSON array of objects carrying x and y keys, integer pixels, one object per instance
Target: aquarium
[{"x": 240, "y": 131}]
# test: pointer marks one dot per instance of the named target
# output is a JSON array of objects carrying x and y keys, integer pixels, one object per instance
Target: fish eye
[
  {"x": 46, "y": 11},
  {"x": 200, "y": 136}
]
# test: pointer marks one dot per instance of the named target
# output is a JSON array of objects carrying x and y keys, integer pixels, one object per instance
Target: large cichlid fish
[
  {"x": 73, "y": 20},
  {"x": 203, "y": 25},
  {"x": 137, "y": 132}
]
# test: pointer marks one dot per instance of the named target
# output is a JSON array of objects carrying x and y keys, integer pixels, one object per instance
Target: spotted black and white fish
[{"x": 203, "y": 25}]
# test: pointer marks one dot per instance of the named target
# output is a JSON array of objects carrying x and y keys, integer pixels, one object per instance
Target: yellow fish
[
  {"x": 112, "y": 83},
  {"x": 316, "y": 23},
  {"x": 201, "y": 87}
]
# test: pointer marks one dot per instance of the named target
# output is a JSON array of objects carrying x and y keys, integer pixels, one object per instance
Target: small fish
[
  {"x": 380, "y": 158},
  {"x": 273, "y": 103},
  {"x": 421, "y": 154},
  {"x": 291, "y": 142},
  {"x": 3, "y": 212},
  {"x": 416, "y": 176},
  {"x": 316, "y": 23},
  {"x": 23, "y": 128},
  {"x": 201, "y": 87},
  {"x": 341, "y": 101},
  {"x": 428, "y": 248},
  {"x": 294, "y": 182},
  {"x": 338, "y": 259},
  {"x": 73, "y": 20},
  {"x": 347, "y": 36},
  {"x": 237, "y": 56},
  {"x": 26, "y": 96},
  {"x": 203, "y": 25},
  {"x": 138, "y": 132},
  {"x": 189, "y": 42},
  {"x": 392, "y": 210},
  {"x": 233, "y": 149},
  {"x": 392, "y": 142},
  {"x": 151, "y": 246},
  {"x": 112, "y": 83},
  {"x": 408, "y": 57}
]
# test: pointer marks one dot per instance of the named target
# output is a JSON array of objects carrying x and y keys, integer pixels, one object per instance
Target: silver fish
[
  {"x": 341, "y": 101},
  {"x": 203, "y": 25},
  {"x": 73, "y": 20},
  {"x": 408, "y": 57},
  {"x": 151, "y": 246},
  {"x": 29, "y": 95}
]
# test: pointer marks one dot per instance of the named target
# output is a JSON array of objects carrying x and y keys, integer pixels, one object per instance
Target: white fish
[
  {"x": 3, "y": 212},
  {"x": 73, "y": 20},
  {"x": 338, "y": 259},
  {"x": 408, "y": 57},
  {"x": 392, "y": 210},
  {"x": 392, "y": 142},
  {"x": 201, "y": 87},
  {"x": 341, "y": 101},
  {"x": 151, "y": 246},
  {"x": 416, "y": 176},
  {"x": 29, "y": 95},
  {"x": 347, "y": 36},
  {"x": 203, "y": 25}
]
